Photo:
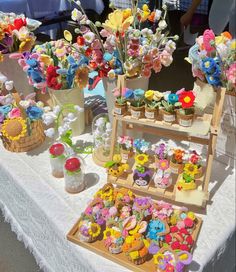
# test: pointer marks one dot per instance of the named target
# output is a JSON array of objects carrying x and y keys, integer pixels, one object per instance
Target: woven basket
[{"x": 28, "y": 142}]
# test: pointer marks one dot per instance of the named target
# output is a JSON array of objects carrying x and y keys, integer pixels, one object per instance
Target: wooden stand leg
[{"x": 113, "y": 137}]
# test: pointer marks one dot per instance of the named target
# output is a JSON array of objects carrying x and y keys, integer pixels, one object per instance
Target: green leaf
[{"x": 109, "y": 164}]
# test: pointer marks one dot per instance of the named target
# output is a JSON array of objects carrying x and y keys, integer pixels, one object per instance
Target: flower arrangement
[
  {"x": 20, "y": 120},
  {"x": 168, "y": 107},
  {"x": 213, "y": 59},
  {"x": 120, "y": 102},
  {"x": 58, "y": 65},
  {"x": 141, "y": 146},
  {"x": 113, "y": 240},
  {"x": 196, "y": 159},
  {"x": 161, "y": 151},
  {"x": 121, "y": 46},
  {"x": 142, "y": 174},
  {"x": 162, "y": 178},
  {"x": 187, "y": 180},
  {"x": 178, "y": 156},
  {"x": 185, "y": 113},
  {"x": 126, "y": 146},
  {"x": 152, "y": 102},
  {"x": 16, "y": 33},
  {"x": 115, "y": 167}
]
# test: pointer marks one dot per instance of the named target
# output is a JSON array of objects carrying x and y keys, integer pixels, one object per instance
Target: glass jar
[
  {"x": 57, "y": 159},
  {"x": 74, "y": 174}
]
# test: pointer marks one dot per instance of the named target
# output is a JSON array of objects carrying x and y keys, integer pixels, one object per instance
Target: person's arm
[{"x": 186, "y": 19}]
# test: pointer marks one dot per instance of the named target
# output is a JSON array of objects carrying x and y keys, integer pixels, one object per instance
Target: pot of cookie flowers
[
  {"x": 74, "y": 175},
  {"x": 168, "y": 107},
  {"x": 22, "y": 129},
  {"x": 137, "y": 104},
  {"x": 126, "y": 147},
  {"x": 196, "y": 159},
  {"x": 113, "y": 239},
  {"x": 185, "y": 114},
  {"x": 88, "y": 230},
  {"x": 163, "y": 178},
  {"x": 142, "y": 174},
  {"x": 177, "y": 161},
  {"x": 57, "y": 159},
  {"x": 135, "y": 248},
  {"x": 152, "y": 102}
]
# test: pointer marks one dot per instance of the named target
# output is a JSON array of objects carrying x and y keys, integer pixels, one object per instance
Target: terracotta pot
[
  {"x": 168, "y": 117},
  {"x": 185, "y": 120},
  {"x": 137, "y": 112},
  {"x": 120, "y": 109},
  {"x": 176, "y": 168},
  {"x": 151, "y": 113}
]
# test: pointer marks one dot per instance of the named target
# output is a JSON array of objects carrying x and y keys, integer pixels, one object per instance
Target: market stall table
[{"x": 42, "y": 213}]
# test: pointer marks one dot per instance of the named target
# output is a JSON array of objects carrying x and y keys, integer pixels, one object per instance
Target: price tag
[
  {"x": 117, "y": 111},
  {"x": 169, "y": 118},
  {"x": 185, "y": 123},
  {"x": 150, "y": 114},
  {"x": 135, "y": 114}
]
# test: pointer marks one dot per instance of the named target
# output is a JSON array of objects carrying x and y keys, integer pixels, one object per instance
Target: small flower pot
[
  {"x": 57, "y": 165},
  {"x": 137, "y": 112},
  {"x": 151, "y": 113},
  {"x": 142, "y": 179},
  {"x": 168, "y": 117},
  {"x": 185, "y": 120},
  {"x": 199, "y": 174},
  {"x": 120, "y": 109},
  {"x": 163, "y": 180},
  {"x": 125, "y": 154},
  {"x": 176, "y": 168}
]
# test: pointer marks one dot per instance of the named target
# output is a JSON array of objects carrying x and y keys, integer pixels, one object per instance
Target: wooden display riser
[
  {"x": 195, "y": 197},
  {"x": 99, "y": 248}
]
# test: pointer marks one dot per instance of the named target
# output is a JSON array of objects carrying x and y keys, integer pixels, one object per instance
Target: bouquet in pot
[
  {"x": 213, "y": 59},
  {"x": 56, "y": 64},
  {"x": 16, "y": 33},
  {"x": 123, "y": 46}
]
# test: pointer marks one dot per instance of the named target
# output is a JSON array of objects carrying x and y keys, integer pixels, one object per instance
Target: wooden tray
[{"x": 121, "y": 259}]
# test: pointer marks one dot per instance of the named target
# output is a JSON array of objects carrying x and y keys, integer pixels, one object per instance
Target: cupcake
[
  {"x": 88, "y": 230},
  {"x": 113, "y": 240},
  {"x": 136, "y": 248}
]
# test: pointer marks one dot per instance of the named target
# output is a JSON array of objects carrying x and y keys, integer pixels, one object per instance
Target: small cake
[
  {"x": 113, "y": 239},
  {"x": 136, "y": 248},
  {"x": 88, "y": 230}
]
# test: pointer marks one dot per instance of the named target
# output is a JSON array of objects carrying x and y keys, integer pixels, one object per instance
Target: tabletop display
[
  {"x": 136, "y": 231},
  {"x": 126, "y": 221}
]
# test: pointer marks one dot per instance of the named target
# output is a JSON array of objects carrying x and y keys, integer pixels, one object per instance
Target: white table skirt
[{"x": 42, "y": 213}]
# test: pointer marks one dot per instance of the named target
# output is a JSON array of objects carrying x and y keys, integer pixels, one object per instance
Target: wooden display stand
[
  {"x": 98, "y": 247},
  {"x": 204, "y": 131}
]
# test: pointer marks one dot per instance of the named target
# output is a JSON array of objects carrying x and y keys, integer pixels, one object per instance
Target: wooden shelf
[
  {"x": 201, "y": 125},
  {"x": 204, "y": 131}
]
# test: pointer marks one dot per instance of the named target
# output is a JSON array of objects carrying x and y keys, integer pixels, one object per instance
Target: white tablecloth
[{"x": 42, "y": 213}]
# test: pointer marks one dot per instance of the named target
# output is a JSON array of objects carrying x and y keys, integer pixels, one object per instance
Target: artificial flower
[
  {"x": 15, "y": 112},
  {"x": 173, "y": 98},
  {"x": 138, "y": 93},
  {"x": 68, "y": 35},
  {"x": 34, "y": 113},
  {"x": 208, "y": 40},
  {"x": 187, "y": 99},
  {"x": 163, "y": 164},
  {"x": 94, "y": 230},
  {"x": 215, "y": 81},
  {"x": 149, "y": 95},
  {"x": 115, "y": 22},
  {"x": 81, "y": 77},
  {"x": 141, "y": 159},
  {"x": 76, "y": 14},
  {"x": 191, "y": 169},
  {"x": 166, "y": 58},
  {"x": 14, "y": 129}
]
